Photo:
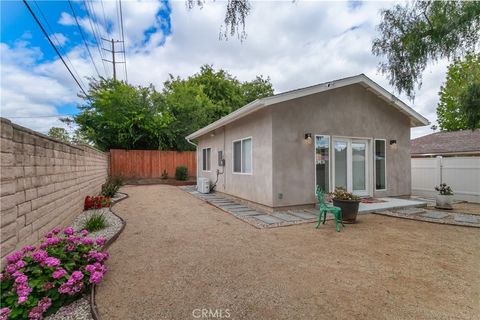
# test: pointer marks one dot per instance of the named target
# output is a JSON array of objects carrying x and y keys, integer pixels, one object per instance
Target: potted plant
[
  {"x": 348, "y": 202},
  {"x": 444, "y": 197}
]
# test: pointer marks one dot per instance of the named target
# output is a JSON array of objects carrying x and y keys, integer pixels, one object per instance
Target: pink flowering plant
[{"x": 38, "y": 280}]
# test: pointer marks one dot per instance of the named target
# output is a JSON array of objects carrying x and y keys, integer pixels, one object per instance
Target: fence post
[{"x": 438, "y": 170}]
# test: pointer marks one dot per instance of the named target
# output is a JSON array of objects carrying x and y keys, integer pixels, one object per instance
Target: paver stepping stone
[
  {"x": 466, "y": 218},
  {"x": 286, "y": 216},
  {"x": 247, "y": 213},
  {"x": 435, "y": 215},
  {"x": 303, "y": 215},
  {"x": 268, "y": 219},
  {"x": 241, "y": 209},
  {"x": 231, "y": 206},
  {"x": 409, "y": 211}
]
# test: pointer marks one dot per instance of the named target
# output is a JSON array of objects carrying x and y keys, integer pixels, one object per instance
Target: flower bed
[{"x": 37, "y": 281}]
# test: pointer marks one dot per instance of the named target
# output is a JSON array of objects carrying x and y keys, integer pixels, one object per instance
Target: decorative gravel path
[{"x": 81, "y": 309}]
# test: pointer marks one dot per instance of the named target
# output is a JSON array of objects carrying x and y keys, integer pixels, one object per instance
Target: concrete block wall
[{"x": 43, "y": 184}]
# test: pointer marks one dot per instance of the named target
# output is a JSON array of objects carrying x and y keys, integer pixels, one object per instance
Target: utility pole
[{"x": 113, "y": 61}]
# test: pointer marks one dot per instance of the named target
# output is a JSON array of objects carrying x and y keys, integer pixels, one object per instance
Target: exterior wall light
[
  {"x": 308, "y": 138},
  {"x": 393, "y": 144}
]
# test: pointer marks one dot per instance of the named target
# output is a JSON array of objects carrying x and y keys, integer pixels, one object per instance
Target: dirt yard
[{"x": 179, "y": 254}]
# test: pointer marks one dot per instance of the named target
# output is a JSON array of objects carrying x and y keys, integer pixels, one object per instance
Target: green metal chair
[{"x": 325, "y": 208}]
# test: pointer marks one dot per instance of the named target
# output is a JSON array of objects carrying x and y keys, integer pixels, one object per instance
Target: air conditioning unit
[{"x": 203, "y": 185}]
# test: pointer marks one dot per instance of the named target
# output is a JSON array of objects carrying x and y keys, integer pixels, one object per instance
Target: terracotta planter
[
  {"x": 349, "y": 209},
  {"x": 444, "y": 202}
]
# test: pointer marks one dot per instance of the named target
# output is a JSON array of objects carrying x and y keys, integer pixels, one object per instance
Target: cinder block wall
[{"x": 43, "y": 183}]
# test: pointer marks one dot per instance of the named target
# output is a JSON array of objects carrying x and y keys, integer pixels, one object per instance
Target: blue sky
[{"x": 296, "y": 44}]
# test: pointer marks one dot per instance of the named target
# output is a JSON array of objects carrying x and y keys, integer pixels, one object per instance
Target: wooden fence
[{"x": 150, "y": 163}]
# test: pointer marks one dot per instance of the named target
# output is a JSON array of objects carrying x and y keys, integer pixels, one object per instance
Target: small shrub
[
  {"x": 37, "y": 281},
  {"x": 97, "y": 202},
  {"x": 444, "y": 189},
  {"x": 342, "y": 194},
  {"x": 181, "y": 173},
  {"x": 164, "y": 174},
  {"x": 95, "y": 222},
  {"x": 110, "y": 188}
]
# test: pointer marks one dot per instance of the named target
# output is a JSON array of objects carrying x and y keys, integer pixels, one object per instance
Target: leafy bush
[
  {"x": 97, "y": 202},
  {"x": 37, "y": 281},
  {"x": 181, "y": 173},
  {"x": 164, "y": 174},
  {"x": 95, "y": 222},
  {"x": 110, "y": 188},
  {"x": 444, "y": 189},
  {"x": 342, "y": 194}
]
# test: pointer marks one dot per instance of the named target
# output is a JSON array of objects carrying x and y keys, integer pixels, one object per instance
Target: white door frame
[{"x": 368, "y": 164}]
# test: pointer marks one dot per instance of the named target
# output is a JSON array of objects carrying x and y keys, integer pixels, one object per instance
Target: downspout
[{"x": 196, "y": 160}]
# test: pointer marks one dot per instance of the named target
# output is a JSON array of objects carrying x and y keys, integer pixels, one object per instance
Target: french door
[{"x": 350, "y": 165}]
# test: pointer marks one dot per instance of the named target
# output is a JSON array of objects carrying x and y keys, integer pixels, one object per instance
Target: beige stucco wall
[
  {"x": 44, "y": 183},
  {"x": 256, "y": 187},
  {"x": 282, "y": 163},
  {"x": 350, "y": 111}
]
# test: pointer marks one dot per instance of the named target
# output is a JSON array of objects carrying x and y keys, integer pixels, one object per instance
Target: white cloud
[
  {"x": 296, "y": 44},
  {"x": 59, "y": 38}
]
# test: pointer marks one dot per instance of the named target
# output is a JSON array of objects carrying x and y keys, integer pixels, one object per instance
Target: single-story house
[
  {"x": 447, "y": 144},
  {"x": 274, "y": 151}
]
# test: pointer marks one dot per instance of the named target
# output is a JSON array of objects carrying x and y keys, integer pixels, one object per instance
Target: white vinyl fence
[{"x": 461, "y": 173}]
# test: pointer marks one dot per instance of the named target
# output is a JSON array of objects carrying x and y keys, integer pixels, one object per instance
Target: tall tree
[
  {"x": 452, "y": 110},
  {"x": 470, "y": 101},
  {"x": 413, "y": 34},
  {"x": 59, "y": 134}
]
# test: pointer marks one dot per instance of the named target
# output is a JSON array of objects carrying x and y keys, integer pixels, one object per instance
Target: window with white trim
[
  {"x": 206, "y": 153},
  {"x": 380, "y": 165},
  {"x": 242, "y": 156}
]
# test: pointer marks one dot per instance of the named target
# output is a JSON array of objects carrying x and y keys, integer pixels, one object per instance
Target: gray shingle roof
[{"x": 447, "y": 142}]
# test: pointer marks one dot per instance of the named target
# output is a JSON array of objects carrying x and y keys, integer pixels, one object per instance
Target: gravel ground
[
  {"x": 114, "y": 224},
  {"x": 77, "y": 310},
  {"x": 178, "y": 253}
]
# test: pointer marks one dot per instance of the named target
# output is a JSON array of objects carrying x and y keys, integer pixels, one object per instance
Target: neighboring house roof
[
  {"x": 415, "y": 118},
  {"x": 445, "y": 143}
]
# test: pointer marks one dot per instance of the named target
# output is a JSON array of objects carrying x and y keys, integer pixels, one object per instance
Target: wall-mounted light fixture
[
  {"x": 308, "y": 138},
  {"x": 393, "y": 144}
]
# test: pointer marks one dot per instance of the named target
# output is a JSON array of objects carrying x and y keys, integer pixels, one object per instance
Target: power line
[
  {"x": 83, "y": 37},
  {"x": 32, "y": 117},
  {"x": 97, "y": 39},
  {"x": 53, "y": 45},
  {"x": 113, "y": 51},
  {"x": 58, "y": 42},
  {"x": 123, "y": 41}
]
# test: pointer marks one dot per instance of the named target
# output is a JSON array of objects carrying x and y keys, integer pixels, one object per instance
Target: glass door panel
[
  {"x": 340, "y": 162},
  {"x": 322, "y": 163},
  {"x": 359, "y": 167}
]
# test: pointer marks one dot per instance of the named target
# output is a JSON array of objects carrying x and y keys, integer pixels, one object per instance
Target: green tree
[
  {"x": 461, "y": 74},
  {"x": 59, "y": 134},
  {"x": 413, "y": 34},
  {"x": 206, "y": 97},
  {"x": 470, "y": 101},
  {"x": 118, "y": 115}
]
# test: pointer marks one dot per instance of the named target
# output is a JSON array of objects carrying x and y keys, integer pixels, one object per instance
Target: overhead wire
[
  {"x": 123, "y": 41},
  {"x": 53, "y": 45},
  {"x": 83, "y": 37},
  {"x": 97, "y": 38}
]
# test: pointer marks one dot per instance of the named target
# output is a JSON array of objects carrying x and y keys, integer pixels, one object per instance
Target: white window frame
[
  {"x": 241, "y": 162},
  {"x": 210, "y": 160},
  {"x": 375, "y": 164}
]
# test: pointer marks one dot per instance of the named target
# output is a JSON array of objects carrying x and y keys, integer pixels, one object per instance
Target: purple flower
[
  {"x": 52, "y": 241},
  {"x": 51, "y": 262},
  {"x": 69, "y": 247},
  {"x": 100, "y": 241},
  {"x": 68, "y": 231},
  {"x": 87, "y": 241},
  {"x": 45, "y": 303},
  {"x": 77, "y": 275},
  {"x": 40, "y": 255},
  {"x": 56, "y": 230},
  {"x": 4, "y": 313},
  {"x": 28, "y": 248},
  {"x": 14, "y": 257},
  {"x": 84, "y": 232},
  {"x": 22, "y": 299},
  {"x": 21, "y": 279},
  {"x": 20, "y": 264},
  {"x": 23, "y": 289},
  {"x": 60, "y": 272},
  {"x": 64, "y": 289},
  {"x": 96, "y": 277},
  {"x": 99, "y": 256},
  {"x": 48, "y": 286},
  {"x": 11, "y": 268},
  {"x": 35, "y": 314}
]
